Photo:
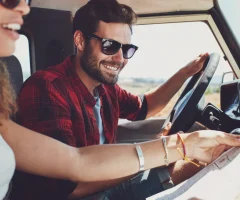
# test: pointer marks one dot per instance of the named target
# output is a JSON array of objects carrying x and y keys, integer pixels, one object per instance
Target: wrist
[
  {"x": 185, "y": 152},
  {"x": 189, "y": 145},
  {"x": 173, "y": 144},
  {"x": 184, "y": 73}
]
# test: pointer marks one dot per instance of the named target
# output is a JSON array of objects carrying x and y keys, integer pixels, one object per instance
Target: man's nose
[{"x": 118, "y": 57}]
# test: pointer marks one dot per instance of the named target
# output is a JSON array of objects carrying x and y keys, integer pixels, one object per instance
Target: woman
[{"x": 47, "y": 157}]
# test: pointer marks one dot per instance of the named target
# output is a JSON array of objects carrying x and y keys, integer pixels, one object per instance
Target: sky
[{"x": 164, "y": 48}]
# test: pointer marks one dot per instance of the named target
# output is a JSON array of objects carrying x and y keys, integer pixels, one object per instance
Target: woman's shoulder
[{"x": 7, "y": 166}]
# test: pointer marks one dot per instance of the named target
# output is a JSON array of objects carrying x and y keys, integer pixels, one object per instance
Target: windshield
[{"x": 230, "y": 9}]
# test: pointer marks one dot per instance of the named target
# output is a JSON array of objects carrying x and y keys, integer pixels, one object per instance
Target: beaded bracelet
[
  {"x": 183, "y": 144},
  {"x": 184, "y": 151}
]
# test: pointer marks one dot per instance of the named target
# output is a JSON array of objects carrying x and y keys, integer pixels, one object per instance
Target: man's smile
[{"x": 111, "y": 67}]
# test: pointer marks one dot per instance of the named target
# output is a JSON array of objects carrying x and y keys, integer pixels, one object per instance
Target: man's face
[{"x": 105, "y": 68}]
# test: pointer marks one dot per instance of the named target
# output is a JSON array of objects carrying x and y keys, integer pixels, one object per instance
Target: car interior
[{"x": 48, "y": 31}]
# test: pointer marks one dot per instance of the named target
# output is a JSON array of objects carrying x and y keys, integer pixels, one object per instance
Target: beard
[{"x": 89, "y": 63}]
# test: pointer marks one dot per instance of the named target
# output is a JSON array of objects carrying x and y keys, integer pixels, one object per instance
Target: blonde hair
[{"x": 7, "y": 95}]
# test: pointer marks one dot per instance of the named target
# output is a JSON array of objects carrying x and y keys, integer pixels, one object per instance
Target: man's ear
[{"x": 79, "y": 40}]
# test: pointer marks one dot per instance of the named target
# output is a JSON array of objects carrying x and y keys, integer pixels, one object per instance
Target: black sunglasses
[
  {"x": 110, "y": 47},
  {"x": 12, "y": 3}
]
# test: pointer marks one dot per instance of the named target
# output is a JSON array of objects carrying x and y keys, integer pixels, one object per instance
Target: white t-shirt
[{"x": 7, "y": 167}]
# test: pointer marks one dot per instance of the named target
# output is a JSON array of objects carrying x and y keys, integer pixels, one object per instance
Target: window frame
[
  {"x": 24, "y": 31},
  {"x": 30, "y": 54},
  {"x": 226, "y": 30}
]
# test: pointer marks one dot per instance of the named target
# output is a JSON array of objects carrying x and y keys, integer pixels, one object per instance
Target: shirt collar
[{"x": 76, "y": 81}]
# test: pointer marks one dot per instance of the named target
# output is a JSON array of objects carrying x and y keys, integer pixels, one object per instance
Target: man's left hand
[
  {"x": 165, "y": 130},
  {"x": 195, "y": 66}
]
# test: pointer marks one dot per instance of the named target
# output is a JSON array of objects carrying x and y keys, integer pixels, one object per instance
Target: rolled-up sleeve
[{"x": 131, "y": 107}]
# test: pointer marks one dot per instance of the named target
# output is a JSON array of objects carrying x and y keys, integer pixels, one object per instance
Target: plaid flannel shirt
[{"x": 55, "y": 102}]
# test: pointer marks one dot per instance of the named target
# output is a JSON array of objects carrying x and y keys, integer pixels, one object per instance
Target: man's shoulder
[
  {"x": 59, "y": 75},
  {"x": 51, "y": 73}
]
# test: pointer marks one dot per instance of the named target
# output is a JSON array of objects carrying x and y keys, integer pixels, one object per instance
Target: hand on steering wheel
[{"x": 184, "y": 112}]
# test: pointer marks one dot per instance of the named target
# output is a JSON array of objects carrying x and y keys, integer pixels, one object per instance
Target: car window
[
  {"x": 22, "y": 53},
  {"x": 230, "y": 10},
  {"x": 163, "y": 50}
]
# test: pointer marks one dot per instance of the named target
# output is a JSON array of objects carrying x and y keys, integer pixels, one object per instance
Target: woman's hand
[{"x": 207, "y": 145}]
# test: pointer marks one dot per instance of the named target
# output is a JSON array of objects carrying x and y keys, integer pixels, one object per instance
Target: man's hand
[
  {"x": 165, "y": 130},
  {"x": 195, "y": 66},
  {"x": 155, "y": 98}
]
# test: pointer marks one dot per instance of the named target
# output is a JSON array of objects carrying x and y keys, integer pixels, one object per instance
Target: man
[{"x": 79, "y": 103}]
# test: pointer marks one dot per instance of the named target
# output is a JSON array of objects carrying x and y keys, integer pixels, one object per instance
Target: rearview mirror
[{"x": 227, "y": 77}]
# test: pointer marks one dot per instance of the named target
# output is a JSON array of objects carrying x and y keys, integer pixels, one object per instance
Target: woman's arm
[{"x": 42, "y": 155}]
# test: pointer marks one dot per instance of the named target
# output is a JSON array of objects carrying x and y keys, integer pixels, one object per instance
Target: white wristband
[{"x": 140, "y": 157}]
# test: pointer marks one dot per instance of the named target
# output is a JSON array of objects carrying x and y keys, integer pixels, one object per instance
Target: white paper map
[{"x": 218, "y": 181}]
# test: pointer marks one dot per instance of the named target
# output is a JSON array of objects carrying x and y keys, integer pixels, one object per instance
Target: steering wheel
[{"x": 184, "y": 112}]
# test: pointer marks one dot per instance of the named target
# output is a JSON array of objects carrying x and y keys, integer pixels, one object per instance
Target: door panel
[
  {"x": 50, "y": 36},
  {"x": 140, "y": 131}
]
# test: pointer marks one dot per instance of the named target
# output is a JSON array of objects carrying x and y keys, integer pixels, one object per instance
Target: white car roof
[{"x": 139, "y": 6}]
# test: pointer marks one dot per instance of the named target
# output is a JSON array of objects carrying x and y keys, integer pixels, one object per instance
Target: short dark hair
[{"x": 87, "y": 17}]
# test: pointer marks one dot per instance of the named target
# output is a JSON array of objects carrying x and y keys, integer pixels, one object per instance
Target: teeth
[
  {"x": 112, "y": 68},
  {"x": 15, "y": 27}
]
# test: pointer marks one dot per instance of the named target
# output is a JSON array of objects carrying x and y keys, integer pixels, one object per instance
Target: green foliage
[{"x": 212, "y": 90}]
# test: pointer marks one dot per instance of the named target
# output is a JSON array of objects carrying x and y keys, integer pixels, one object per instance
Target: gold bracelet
[{"x": 166, "y": 150}]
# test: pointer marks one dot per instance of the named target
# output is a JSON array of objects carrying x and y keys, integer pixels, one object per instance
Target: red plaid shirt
[{"x": 56, "y": 103}]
